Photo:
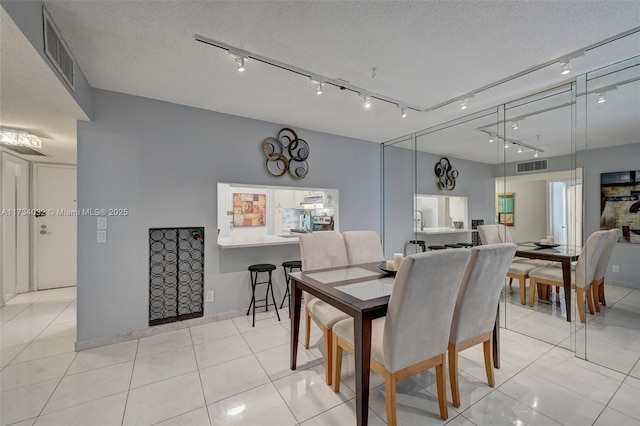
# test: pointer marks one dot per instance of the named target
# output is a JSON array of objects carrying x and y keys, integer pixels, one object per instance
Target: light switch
[
  {"x": 101, "y": 236},
  {"x": 102, "y": 223}
]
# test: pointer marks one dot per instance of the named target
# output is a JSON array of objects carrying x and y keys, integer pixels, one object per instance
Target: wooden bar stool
[
  {"x": 291, "y": 264},
  {"x": 254, "y": 270}
]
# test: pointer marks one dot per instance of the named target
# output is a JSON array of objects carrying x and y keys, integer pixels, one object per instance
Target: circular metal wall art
[
  {"x": 446, "y": 174},
  {"x": 286, "y": 154}
]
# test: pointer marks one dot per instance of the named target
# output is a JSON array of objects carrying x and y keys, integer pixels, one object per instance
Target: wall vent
[
  {"x": 57, "y": 50},
  {"x": 532, "y": 166}
]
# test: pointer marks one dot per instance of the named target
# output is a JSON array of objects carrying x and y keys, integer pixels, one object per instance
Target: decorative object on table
[
  {"x": 286, "y": 154},
  {"x": 458, "y": 224},
  {"x": 620, "y": 204},
  {"x": 475, "y": 236},
  {"x": 446, "y": 174},
  {"x": 506, "y": 209},
  {"x": 249, "y": 209},
  {"x": 388, "y": 267}
]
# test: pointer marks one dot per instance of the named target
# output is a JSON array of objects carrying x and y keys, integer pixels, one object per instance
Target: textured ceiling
[{"x": 425, "y": 53}]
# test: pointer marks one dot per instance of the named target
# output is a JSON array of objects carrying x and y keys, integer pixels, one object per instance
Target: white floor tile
[
  {"x": 90, "y": 385},
  {"x": 627, "y": 398},
  {"x": 221, "y": 350},
  {"x": 275, "y": 361},
  {"x": 232, "y": 377},
  {"x": 25, "y": 402},
  {"x": 471, "y": 362},
  {"x": 198, "y": 417},
  {"x": 610, "y": 417},
  {"x": 263, "y": 319},
  {"x": 212, "y": 331},
  {"x": 348, "y": 374},
  {"x": 30, "y": 372},
  {"x": 635, "y": 371},
  {"x": 163, "y": 342},
  {"x": 103, "y": 356},
  {"x": 261, "y": 405},
  {"x": 499, "y": 409},
  {"x": 267, "y": 338},
  {"x": 57, "y": 331},
  {"x": 344, "y": 415},
  {"x": 163, "y": 366},
  {"x": 46, "y": 348},
  {"x": 101, "y": 412},
  {"x": 163, "y": 400},
  {"x": 8, "y": 353}
]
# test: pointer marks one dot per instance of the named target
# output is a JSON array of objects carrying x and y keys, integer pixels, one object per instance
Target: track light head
[
  {"x": 464, "y": 104},
  {"x": 367, "y": 102},
  {"x": 403, "y": 113},
  {"x": 240, "y": 62},
  {"x": 519, "y": 150},
  {"x": 601, "y": 98},
  {"x": 566, "y": 67},
  {"x": 491, "y": 139},
  {"x": 514, "y": 125},
  {"x": 319, "y": 88}
]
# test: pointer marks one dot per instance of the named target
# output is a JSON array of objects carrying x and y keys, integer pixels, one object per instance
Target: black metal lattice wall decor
[
  {"x": 176, "y": 274},
  {"x": 446, "y": 174},
  {"x": 286, "y": 154},
  {"x": 475, "y": 235}
]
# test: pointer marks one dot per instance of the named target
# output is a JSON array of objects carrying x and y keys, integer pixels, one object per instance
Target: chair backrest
[
  {"x": 504, "y": 234},
  {"x": 605, "y": 256},
  {"x": 479, "y": 294},
  {"x": 421, "y": 307},
  {"x": 363, "y": 247},
  {"x": 489, "y": 234},
  {"x": 319, "y": 250},
  {"x": 588, "y": 260}
]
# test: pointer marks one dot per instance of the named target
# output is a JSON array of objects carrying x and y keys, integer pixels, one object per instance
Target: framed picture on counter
[{"x": 506, "y": 209}]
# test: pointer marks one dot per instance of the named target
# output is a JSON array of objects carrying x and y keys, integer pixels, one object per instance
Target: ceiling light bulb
[
  {"x": 506, "y": 145},
  {"x": 566, "y": 68},
  {"x": 403, "y": 113},
  {"x": 536, "y": 154},
  {"x": 240, "y": 61},
  {"x": 491, "y": 139},
  {"x": 601, "y": 98},
  {"x": 514, "y": 125},
  {"x": 367, "y": 102},
  {"x": 519, "y": 150},
  {"x": 463, "y": 105},
  {"x": 319, "y": 88}
]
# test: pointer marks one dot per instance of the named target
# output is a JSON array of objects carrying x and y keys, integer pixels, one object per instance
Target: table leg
[
  {"x": 566, "y": 278},
  {"x": 495, "y": 342},
  {"x": 296, "y": 295},
  {"x": 362, "y": 337}
]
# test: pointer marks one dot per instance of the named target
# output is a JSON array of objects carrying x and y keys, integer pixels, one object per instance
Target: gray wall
[
  {"x": 606, "y": 160},
  {"x": 530, "y": 215},
  {"x": 162, "y": 161}
]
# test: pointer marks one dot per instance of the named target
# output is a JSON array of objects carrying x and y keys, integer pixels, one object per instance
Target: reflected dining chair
[
  {"x": 320, "y": 250},
  {"x": 475, "y": 314},
  {"x": 581, "y": 278},
  {"x": 363, "y": 247},
  {"x": 413, "y": 337},
  {"x": 597, "y": 286}
]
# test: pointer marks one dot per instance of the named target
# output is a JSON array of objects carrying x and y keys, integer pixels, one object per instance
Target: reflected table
[
  {"x": 564, "y": 254},
  {"x": 361, "y": 291}
]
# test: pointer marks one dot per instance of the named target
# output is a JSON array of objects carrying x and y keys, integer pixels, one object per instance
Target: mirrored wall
[{"x": 534, "y": 166}]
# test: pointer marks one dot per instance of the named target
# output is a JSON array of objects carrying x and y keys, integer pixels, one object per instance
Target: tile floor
[{"x": 230, "y": 373}]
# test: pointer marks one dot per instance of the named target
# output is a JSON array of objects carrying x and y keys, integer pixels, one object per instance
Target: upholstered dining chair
[
  {"x": 520, "y": 267},
  {"x": 413, "y": 337},
  {"x": 597, "y": 286},
  {"x": 320, "y": 250},
  {"x": 581, "y": 278},
  {"x": 363, "y": 247},
  {"x": 475, "y": 313}
]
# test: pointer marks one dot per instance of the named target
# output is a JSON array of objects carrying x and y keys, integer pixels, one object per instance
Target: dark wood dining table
[
  {"x": 565, "y": 254},
  {"x": 361, "y": 292}
]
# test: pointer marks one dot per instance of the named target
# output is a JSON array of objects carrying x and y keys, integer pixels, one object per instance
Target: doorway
[{"x": 55, "y": 232}]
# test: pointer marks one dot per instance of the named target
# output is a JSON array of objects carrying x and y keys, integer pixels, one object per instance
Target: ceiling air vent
[
  {"x": 532, "y": 166},
  {"x": 57, "y": 50}
]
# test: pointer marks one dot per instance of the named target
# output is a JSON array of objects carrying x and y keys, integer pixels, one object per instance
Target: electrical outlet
[
  {"x": 101, "y": 236},
  {"x": 210, "y": 296},
  {"x": 615, "y": 268}
]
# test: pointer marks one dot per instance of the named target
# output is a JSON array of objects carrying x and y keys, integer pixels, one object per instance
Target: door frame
[{"x": 34, "y": 224}]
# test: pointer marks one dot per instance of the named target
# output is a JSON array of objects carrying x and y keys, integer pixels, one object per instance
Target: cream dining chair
[
  {"x": 320, "y": 250},
  {"x": 597, "y": 286},
  {"x": 413, "y": 337},
  {"x": 363, "y": 247},
  {"x": 581, "y": 278},
  {"x": 475, "y": 314}
]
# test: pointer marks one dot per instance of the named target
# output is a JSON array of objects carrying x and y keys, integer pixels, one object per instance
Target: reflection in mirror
[
  {"x": 613, "y": 132},
  {"x": 259, "y": 210}
]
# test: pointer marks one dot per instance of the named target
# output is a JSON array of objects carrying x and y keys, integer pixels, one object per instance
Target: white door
[
  {"x": 15, "y": 227},
  {"x": 56, "y": 257}
]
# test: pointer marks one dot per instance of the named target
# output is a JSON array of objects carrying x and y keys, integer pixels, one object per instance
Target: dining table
[
  {"x": 363, "y": 292},
  {"x": 562, "y": 253}
]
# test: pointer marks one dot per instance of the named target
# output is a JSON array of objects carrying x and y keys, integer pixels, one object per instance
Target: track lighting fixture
[
  {"x": 367, "y": 102},
  {"x": 319, "y": 88},
  {"x": 536, "y": 155},
  {"x": 519, "y": 150},
  {"x": 506, "y": 145},
  {"x": 566, "y": 67},
  {"x": 403, "y": 113},
  {"x": 514, "y": 125},
  {"x": 240, "y": 61},
  {"x": 464, "y": 105},
  {"x": 491, "y": 139},
  {"x": 601, "y": 98}
]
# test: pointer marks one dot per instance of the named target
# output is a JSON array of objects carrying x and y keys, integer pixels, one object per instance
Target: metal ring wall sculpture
[
  {"x": 446, "y": 174},
  {"x": 286, "y": 154}
]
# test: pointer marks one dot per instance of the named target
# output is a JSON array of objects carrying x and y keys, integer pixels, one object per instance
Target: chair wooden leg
[
  {"x": 390, "y": 398},
  {"x": 488, "y": 362},
  {"x": 580, "y": 303},
  {"x": 337, "y": 364},
  {"x": 590, "y": 300},
  {"x": 510, "y": 281},
  {"x": 453, "y": 374},
  {"x": 307, "y": 329},
  {"x": 328, "y": 354},
  {"x": 442, "y": 389},
  {"x": 601, "y": 293},
  {"x": 595, "y": 291},
  {"x": 532, "y": 290},
  {"x": 523, "y": 290}
]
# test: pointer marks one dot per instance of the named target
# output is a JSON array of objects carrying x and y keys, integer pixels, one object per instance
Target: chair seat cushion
[
  {"x": 559, "y": 265},
  {"x": 326, "y": 314},
  {"x": 521, "y": 268},
  {"x": 551, "y": 274},
  {"x": 344, "y": 329}
]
